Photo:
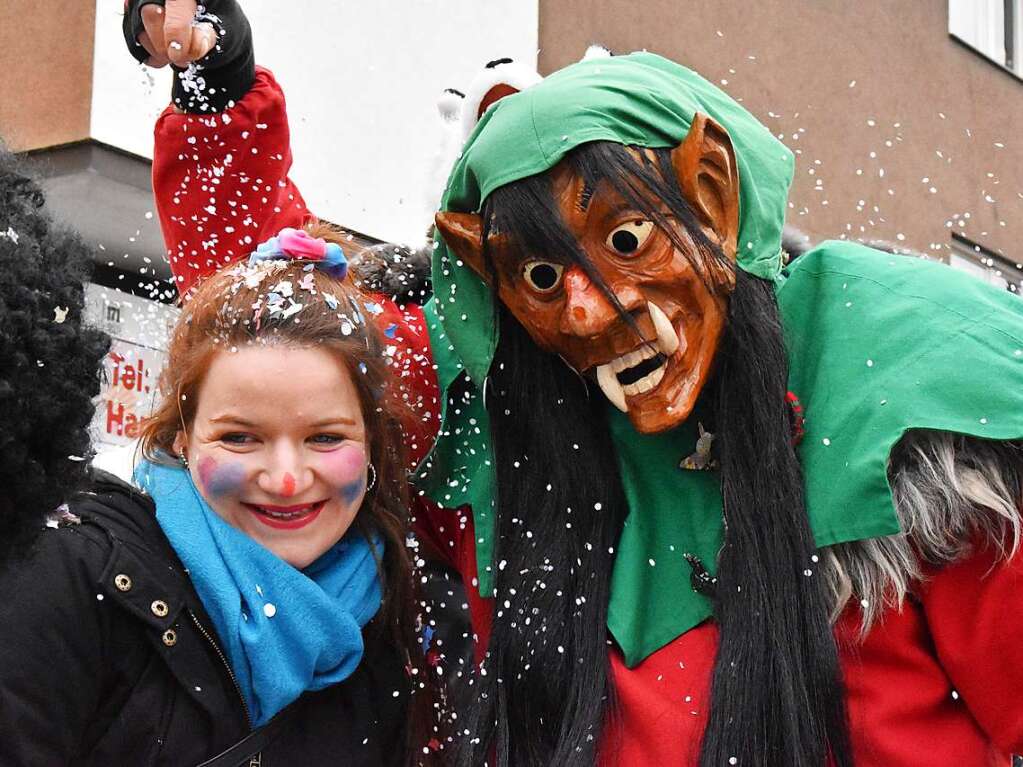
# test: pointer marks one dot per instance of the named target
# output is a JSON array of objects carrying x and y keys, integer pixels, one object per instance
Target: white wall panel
[
  {"x": 981, "y": 24},
  {"x": 362, "y": 81}
]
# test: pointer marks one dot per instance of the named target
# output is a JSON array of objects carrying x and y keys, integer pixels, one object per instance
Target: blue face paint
[
  {"x": 220, "y": 479},
  {"x": 351, "y": 492}
]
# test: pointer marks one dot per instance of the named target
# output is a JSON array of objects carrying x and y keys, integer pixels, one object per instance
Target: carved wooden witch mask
[{"x": 646, "y": 318}]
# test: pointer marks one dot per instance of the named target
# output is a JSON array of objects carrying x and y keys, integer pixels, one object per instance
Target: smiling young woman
[
  {"x": 286, "y": 427},
  {"x": 257, "y": 599}
]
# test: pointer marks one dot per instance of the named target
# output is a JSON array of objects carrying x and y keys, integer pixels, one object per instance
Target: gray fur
[
  {"x": 950, "y": 492},
  {"x": 795, "y": 242},
  {"x": 398, "y": 271}
]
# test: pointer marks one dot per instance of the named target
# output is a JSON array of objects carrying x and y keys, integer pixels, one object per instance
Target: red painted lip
[
  {"x": 286, "y": 524},
  {"x": 282, "y": 509}
]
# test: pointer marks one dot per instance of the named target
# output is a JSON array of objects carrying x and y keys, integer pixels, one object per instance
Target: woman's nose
[{"x": 286, "y": 476}]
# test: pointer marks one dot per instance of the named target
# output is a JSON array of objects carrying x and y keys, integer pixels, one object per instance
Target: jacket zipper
[{"x": 230, "y": 673}]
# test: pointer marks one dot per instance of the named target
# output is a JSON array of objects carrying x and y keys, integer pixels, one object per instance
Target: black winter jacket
[{"x": 107, "y": 657}]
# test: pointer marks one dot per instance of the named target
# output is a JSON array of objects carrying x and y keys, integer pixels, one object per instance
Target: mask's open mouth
[
  {"x": 642, "y": 369},
  {"x": 644, "y": 376}
]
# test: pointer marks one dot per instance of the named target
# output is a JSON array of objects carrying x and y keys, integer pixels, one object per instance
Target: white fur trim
[
  {"x": 515, "y": 75},
  {"x": 596, "y": 51},
  {"x": 449, "y": 105}
]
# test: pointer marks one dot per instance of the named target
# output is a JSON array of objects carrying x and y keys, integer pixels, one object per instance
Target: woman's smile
[{"x": 286, "y": 517}]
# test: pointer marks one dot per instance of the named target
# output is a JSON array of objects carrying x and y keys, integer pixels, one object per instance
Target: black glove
[
  {"x": 220, "y": 78},
  {"x": 132, "y": 27}
]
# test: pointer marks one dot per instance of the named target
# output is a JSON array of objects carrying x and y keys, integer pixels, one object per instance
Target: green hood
[{"x": 641, "y": 100}]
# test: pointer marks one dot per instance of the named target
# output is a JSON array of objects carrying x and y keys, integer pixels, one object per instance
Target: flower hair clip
[{"x": 298, "y": 245}]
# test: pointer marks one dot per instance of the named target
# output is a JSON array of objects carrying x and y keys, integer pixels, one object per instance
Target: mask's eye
[
  {"x": 542, "y": 276},
  {"x": 628, "y": 238}
]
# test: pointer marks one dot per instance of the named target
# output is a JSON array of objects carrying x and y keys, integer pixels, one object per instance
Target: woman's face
[{"x": 278, "y": 447}]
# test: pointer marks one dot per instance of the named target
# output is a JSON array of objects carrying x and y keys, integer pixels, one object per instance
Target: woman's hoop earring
[{"x": 372, "y": 482}]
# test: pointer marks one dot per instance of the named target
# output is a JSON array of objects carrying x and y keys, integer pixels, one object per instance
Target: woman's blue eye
[
  {"x": 328, "y": 439},
  {"x": 236, "y": 439}
]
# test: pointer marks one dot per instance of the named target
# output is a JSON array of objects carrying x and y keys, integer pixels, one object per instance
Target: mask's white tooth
[
  {"x": 612, "y": 389},
  {"x": 667, "y": 338}
]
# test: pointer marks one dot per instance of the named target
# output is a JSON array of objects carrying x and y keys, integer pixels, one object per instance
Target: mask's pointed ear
[
  {"x": 463, "y": 232},
  {"x": 708, "y": 173}
]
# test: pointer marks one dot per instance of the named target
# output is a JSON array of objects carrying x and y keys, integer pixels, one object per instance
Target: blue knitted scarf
[{"x": 284, "y": 630}]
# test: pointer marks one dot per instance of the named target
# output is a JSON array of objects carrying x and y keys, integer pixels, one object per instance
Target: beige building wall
[
  {"x": 901, "y": 133},
  {"x": 45, "y": 72}
]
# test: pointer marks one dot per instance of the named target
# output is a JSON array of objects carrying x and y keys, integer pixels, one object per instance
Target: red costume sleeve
[
  {"x": 407, "y": 346},
  {"x": 974, "y": 609},
  {"x": 445, "y": 533},
  {"x": 221, "y": 181}
]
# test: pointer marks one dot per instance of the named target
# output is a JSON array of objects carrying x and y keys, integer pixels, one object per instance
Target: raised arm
[{"x": 222, "y": 150}]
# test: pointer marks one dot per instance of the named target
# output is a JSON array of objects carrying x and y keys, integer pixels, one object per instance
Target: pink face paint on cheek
[
  {"x": 206, "y": 468},
  {"x": 346, "y": 468},
  {"x": 220, "y": 479}
]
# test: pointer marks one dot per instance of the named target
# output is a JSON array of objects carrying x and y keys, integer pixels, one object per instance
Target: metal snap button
[
  {"x": 170, "y": 637},
  {"x": 159, "y": 608},
  {"x": 122, "y": 582}
]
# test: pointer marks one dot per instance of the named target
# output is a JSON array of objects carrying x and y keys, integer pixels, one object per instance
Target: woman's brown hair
[{"x": 294, "y": 303}]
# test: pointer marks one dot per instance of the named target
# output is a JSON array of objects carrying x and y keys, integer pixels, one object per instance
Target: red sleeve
[
  {"x": 449, "y": 534},
  {"x": 446, "y": 534},
  {"x": 974, "y": 609},
  {"x": 221, "y": 181},
  {"x": 407, "y": 345}
]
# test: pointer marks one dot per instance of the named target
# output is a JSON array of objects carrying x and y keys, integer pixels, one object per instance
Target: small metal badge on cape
[{"x": 702, "y": 459}]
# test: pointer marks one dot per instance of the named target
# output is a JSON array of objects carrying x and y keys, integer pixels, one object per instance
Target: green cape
[{"x": 876, "y": 345}]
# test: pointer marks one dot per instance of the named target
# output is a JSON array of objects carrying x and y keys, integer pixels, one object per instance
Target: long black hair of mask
[
  {"x": 544, "y": 694},
  {"x": 540, "y": 696},
  {"x": 777, "y": 696}
]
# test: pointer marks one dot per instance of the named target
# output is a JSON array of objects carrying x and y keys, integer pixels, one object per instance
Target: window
[
  {"x": 991, "y": 27},
  {"x": 989, "y": 266}
]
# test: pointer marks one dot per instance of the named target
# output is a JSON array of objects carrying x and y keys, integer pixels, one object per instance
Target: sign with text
[{"x": 140, "y": 329}]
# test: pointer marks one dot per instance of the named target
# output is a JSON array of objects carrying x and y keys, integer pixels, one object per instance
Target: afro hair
[{"x": 50, "y": 360}]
